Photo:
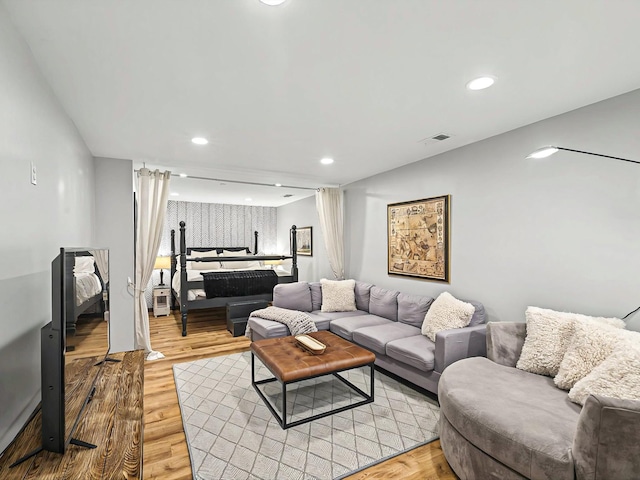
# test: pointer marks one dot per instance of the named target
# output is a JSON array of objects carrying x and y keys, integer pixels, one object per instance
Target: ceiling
[{"x": 275, "y": 89}]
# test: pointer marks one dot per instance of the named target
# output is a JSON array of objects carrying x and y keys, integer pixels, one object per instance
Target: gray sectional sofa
[
  {"x": 499, "y": 422},
  {"x": 386, "y": 322}
]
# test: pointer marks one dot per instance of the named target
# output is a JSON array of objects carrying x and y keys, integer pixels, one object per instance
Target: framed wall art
[
  {"x": 304, "y": 241},
  {"x": 418, "y": 238}
]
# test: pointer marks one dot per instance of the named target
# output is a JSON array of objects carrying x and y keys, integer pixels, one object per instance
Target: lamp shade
[
  {"x": 273, "y": 262},
  {"x": 162, "y": 262}
]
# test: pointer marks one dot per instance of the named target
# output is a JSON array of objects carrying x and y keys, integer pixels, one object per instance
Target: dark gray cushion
[
  {"x": 362, "y": 292},
  {"x": 417, "y": 351},
  {"x": 376, "y": 338},
  {"x": 294, "y": 296},
  {"x": 384, "y": 303},
  {"x": 479, "y": 316},
  {"x": 519, "y": 418},
  {"x": 347, "y": 325},
  {"x": 413, "y": 308},
  {"x": 316, "y": 295}
]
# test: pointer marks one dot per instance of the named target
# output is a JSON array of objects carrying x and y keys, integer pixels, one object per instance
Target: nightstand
[{"x": 161, "y": 301}]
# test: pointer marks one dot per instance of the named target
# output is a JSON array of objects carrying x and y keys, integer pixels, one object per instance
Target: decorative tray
[{"x": 310, "y": 344}]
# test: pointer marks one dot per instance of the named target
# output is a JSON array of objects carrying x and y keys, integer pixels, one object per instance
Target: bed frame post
[
  {"x": 173, "y": 268},
  {"x": 255, "y": 243},
  {"x": 294, "y": 253},
  {"x": 184, "y": 289}
]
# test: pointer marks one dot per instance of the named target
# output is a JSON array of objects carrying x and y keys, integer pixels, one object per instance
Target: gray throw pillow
[{"x": 316, "y": 295}]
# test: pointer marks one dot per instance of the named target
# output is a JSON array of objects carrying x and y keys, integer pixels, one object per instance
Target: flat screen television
[{"x": 74, "y": 345}]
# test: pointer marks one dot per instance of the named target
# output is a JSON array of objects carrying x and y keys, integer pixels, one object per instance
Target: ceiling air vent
[
  {"x": 287, "y": 195},
  {"x": 441, "y": 136}
]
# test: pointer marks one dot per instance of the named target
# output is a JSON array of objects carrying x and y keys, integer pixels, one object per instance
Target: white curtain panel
[
  {"x": 330, "y": 210},
  {"x": 151, "y": 206},
  {"x": 102, "y": 261}
]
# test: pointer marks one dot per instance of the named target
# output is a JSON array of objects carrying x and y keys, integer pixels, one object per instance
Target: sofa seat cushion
[
  {"x": 521, "y": 419},
  {"x": 417, "y": 351},
  {"x": 271, "y": 329},
  {"x": 336, "y": 315},
  {"x": 376, "y": 338},
  {"x": 347, "y": 325}
]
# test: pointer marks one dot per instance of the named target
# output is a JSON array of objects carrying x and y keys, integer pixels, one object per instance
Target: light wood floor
[{"x": 165, "y": 454}]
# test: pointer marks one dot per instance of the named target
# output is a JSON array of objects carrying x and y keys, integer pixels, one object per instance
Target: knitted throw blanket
[{"x": 297, "y": 322}]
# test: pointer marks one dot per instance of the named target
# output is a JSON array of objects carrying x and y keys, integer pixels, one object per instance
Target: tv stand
[
  {"x": 107, "y": 359},
  {"x": 74, "y": 441}
]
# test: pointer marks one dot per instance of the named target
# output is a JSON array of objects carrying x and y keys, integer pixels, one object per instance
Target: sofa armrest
[
  {"x": 458, "y": 343},
  {"x": 505, "y": 341},
  {"x": 607, "y": 438}
]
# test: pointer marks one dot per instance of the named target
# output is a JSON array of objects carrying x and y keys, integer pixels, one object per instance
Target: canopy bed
[
  {"x": 209, "y": 277},
  {"x": 84, "y": 287}
]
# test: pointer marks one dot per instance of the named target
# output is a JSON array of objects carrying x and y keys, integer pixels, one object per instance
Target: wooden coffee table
[{"x": 289, "y": 363}]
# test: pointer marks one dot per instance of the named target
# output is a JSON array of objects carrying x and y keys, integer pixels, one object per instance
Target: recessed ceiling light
[
  {"x": 481, "y": 83},
  {"x": 247, "y": 199},
  {"x": 326, "y": 161},
  {"x": 183, "y": 175},
  {"x": 543, "y": 152},
  {"x": 200, "y": 141},
  {"x": 175, "y": 194},
  {"x": 278, "y": 184},
  {"x": 273, "y": 3}
]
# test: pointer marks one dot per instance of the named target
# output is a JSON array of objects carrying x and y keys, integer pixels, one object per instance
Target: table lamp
[{"x": 161, "y": 264}]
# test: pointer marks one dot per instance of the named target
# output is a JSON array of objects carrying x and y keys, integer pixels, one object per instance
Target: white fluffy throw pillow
[
  {"x": 338, "y": 295},
  {"x": 445, "y": 313},
  {"x": 590, "y": 344},
  {"x": 548, "y": 336},
  {"x": 617, "y": 377}
]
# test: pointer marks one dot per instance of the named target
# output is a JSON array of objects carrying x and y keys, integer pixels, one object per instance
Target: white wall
[
  {"x": 303, "y": 214},
  {"x": 560, "y": 233},
  {"x": 36, "y": 220},
  {"x": 115, "y": 231}
]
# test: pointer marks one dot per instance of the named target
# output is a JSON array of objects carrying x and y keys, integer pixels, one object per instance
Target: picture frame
[
  {"x": 304, "y": 241},
  {"x": 418, "y": 238}
]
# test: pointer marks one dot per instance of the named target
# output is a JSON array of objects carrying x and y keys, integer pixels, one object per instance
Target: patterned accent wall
[
  {"x": 220, "y": 225},
  {"x": 215, "y": 225}
]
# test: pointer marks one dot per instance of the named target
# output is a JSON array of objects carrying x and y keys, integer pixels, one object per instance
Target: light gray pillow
[
  {"x": 203, "y": 265},
  {"x": 548, "y": 336},
  {"x": 446, "y": 313},
  {"x": 383, "y": 303},
  {"x": 338, "y": 295},
  {"x": 234, "y": 265},
  {"x": 294, "y": 296},
  {"x": 413, "y": 308},
  {"x": 592, "y": 342},
  {"x": 618, "y": 376}
]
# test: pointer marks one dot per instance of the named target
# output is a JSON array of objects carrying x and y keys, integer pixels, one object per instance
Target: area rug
[{"x": 231, "y": 434}]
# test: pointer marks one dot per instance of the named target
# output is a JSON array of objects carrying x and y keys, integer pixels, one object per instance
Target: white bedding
[
  {"x": 194, "y": 275},
  {"x": 87, "y": 286}
]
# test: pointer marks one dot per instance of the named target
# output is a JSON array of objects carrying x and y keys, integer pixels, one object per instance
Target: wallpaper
[{"x": 216, "y": 225}]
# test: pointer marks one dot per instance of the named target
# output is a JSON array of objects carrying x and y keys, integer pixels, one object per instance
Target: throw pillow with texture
[
  {"x": 617, "y": 377},
  {"x": 446, "y": 312},
  {"x": 592, "y": 342},
  {"x": 338, "y": 295},
  {"x": 548, "y": 336}
]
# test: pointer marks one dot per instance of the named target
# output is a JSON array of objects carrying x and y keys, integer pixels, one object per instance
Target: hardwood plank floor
[{"x": 165, "y": 448}]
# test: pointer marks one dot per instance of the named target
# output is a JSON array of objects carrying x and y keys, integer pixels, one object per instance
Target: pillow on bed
[
  {"x": 203, "y": 265},
  {"x": 234, "y": 265},
  {"x": 84, "y": 265}
]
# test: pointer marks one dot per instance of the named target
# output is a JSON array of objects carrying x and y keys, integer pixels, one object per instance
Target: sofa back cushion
[
  {"x": 413, "y": 308},
  {"x": 384, "y": 303},
  {"x": 363, "y": 291},
  {"x": 316, "y": 295},
  {"x": 294, "y": 296},
  {"x": 479, "y": 316}
]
